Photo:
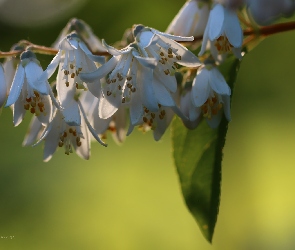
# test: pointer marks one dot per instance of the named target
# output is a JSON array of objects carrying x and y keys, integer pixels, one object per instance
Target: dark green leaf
[{"x": 198, "y": 155}]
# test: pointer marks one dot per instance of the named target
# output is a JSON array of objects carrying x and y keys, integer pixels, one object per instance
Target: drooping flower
[
  {"x": 3, "y": 86},
  {"x": 157, "y": 121},
  {"x": 191, "y": 19},
  {"x": 266, "y": 11},
  {"x": 129, "y": 82},
  {"x": 169, "y": 54},
  {"x": 58, "y": 133},
  {"x": 73, "y": 58},
  {"x": 27, "y": 93},
  {"x": 224, "y": 32},
  {"x": 210, "y": 94},
  {"x": 84, "y": 31}
]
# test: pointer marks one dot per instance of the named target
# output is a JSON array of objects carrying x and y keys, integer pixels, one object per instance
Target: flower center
[
  {"x": 168, "y": 61},
  {"x": 211, "y": 107},
  {"x": 149, "y": 118},
  {"x": 223, "y": 45},
  {"x": 73, "y": 72},
  {"x": 68, "y": 137},
  {"x": 122, "y": 86},
  {"x": 34, "y": 104}
]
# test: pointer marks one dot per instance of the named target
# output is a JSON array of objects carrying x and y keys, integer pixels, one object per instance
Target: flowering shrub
[{"x": 91, "y": 88}]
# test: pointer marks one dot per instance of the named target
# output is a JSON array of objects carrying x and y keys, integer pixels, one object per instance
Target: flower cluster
[{"x": 91, "y": 88}]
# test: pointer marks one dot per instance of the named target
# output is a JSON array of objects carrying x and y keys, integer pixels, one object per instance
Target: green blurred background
[{"x": 128, "y": 197}]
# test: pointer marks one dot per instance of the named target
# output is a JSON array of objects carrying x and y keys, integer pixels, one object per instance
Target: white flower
[
  {"x": 210, "y": 93},
  {"x": 58, "y": 133},
  {"x": 265, "y": 11},
  {"x": 10, "y": 64},
  {"x": 3, "y": 86},
  {"x": 73, "y": 58},
  {"x": 224, "y": 31},
  {"x": 84, "y": 31},
  {"x": 169, "y": 54},
  {"x": 191, "y": 19},
  {"x": 190, "y": 110},
  {"x": 27, "y": 93},
  {"x": 157, "y": 121},
  {"x": 129, "y": 82}
]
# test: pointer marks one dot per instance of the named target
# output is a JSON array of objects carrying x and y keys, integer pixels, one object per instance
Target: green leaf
[{"x": 198, "y": 155}]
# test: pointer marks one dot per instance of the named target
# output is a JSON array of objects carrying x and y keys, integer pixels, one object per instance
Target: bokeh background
[{"x": 128, "y": 197}]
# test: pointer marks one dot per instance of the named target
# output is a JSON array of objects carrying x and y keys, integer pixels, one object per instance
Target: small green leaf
[{"x": 198, "y": 155}]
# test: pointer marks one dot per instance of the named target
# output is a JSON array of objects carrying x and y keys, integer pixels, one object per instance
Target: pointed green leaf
[{"x": 198, "y": 155}]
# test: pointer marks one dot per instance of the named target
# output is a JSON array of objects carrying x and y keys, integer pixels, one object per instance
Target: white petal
[
  {"x": 3, "y": 86},
  {"x": 187, "y": 57},
  {"x": 52, "y": 66},
  {"x": 74, "y": 43},
  {"x": 163, "y": 124},
  {"x": 201, "y": 88},
  {"x": 100, "y": 72},
  {"x": 146, "y": 62},
  {"x": 99, "y": 59},
  {"x": 145, "y": 38},
  {"x": 90, "y": 128},
  {"x": 162, "y": 94},
  {"x": 52, "y": 139},
  {"x": 9, "y": 69},
  {"x": 115, "y": 52},
  {"x": 95, "y": 86},
  {"x": 45, "y": 117},
  {"x": 108, "y": 106},
  {"x": 16, "y": 86},
  {"x": 33, "y": 71},
  {"x": 169, "y": 81},
  {"x": 120, "y": 121},
  {"x": 233, "y": 30},
  {"x": 71, "y": 114},
  {"x": 18, "y": 110},
  {"x": 216, "y": 22},
  {"x": 176, "y": 38},
  {"x": 35, "y": 128},
  {"x": 145, "y": 76},
  {"x": 205, "y": 40},
  {"x": 84, "y": 150},
  {"x": 136, "y": 108},
  {"x": 215, "y": 120},
  {"x": 218, "y": 83},
  {"x": 65, "y": 94}
]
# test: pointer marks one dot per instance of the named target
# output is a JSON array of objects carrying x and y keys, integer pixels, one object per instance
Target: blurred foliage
[{"x": 128, "y": 197}]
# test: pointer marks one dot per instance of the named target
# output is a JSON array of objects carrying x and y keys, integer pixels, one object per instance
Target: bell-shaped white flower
[
  {"x": 211, "y": 94},
  {"x": 191, "y": 19},
  {"x": 10, "y": 65},
  {"x": 27, "y": 92},
  {"x": 128, "y": 75},
  {"x": 72, "y": 58},
  {"x": 58, "y": 133},
  {"x": 84, "y": 31},
  {"x": 193, "y": 113},
  {"x": 3, "y": 86},
  {"x": 169, "y": 54},
  {"x": 266, "y": 11},
  {"x": 224, "y": 32},
  {"x": 157, "y": 121}
]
